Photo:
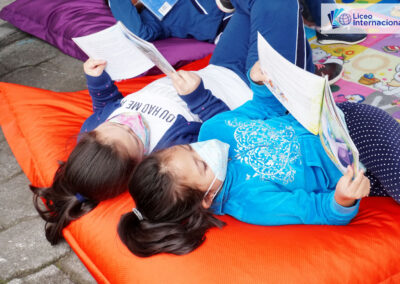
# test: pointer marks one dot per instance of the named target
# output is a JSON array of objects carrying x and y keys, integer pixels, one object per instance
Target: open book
[
  {"x": 126, "y": 54},
  {"x": 159, "y": 8},
  {"x": 309, "y": 99}
]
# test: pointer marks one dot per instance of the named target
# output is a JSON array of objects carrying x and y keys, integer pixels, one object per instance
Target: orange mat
[{"x": 41, "y": 126}]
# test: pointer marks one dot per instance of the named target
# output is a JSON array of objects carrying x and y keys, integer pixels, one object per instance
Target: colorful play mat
[{"x": 371, "y": 68}]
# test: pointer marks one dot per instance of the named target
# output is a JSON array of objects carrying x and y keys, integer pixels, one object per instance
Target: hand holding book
[
  {"x": 257, "y": 75},
  {"x": 185, "y": 82},
  {"x": 348, "y": 190},
  {"x": 126, "y": 54},
  {"x": 94, "y": 67},
  {"x": 309, "y": 99}
]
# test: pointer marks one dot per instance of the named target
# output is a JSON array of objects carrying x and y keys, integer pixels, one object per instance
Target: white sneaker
[{"x": 225, "y": 6}]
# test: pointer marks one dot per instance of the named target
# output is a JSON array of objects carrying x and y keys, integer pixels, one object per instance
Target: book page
[
  {"x": 149, "y": 50},
  {"x": 124, "y": 60},
  {"x": 159, "y": 8},
  {"x": 298, "y": 90},
  {"x": 334, "y": 135}
]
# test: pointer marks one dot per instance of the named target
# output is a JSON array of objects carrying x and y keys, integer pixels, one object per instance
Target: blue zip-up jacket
[
  {"x": 278, "y": 172},
  {"x": 199, "y": 19},
  {"x": 106, "y": 98}
]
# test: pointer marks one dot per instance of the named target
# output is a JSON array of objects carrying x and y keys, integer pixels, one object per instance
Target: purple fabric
[{"x": 57, "y": 21}]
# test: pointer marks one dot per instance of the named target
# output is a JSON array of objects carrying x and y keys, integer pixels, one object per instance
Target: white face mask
[{"x": 215, "y": 154}]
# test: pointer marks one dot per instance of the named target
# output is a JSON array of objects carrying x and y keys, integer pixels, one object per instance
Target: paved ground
[{"x": 25, "y": 255}]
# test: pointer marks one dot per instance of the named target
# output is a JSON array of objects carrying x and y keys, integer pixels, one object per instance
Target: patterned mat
[{"x": 371, "y": 69}]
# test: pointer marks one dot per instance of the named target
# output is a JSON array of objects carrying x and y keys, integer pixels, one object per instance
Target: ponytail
[
  {"x": 146, "y": 238},
  {"x": 58, "y": 210},
  {"x": 94, "y": 170},
  {"x": 174, "y": 220}
]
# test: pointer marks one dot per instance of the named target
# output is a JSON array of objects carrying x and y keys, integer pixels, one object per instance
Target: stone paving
[{"x": 25, "y": 254}]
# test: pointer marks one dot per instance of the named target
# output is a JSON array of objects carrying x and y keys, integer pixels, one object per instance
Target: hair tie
[
  {"x": 137, "y": 213},
  {"x": 80, "y": 197}
]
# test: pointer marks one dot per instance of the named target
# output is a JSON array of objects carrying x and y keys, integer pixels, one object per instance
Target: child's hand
[
  {"x": 348, "y": 190},
  {"x": 257, "y": 75},
  {"x": 94, "y": 67},
  {"x": 185, "y": 82}
]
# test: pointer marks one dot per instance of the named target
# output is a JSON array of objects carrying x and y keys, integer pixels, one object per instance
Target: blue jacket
[
  {"x": 278, "y": 172},
  {"x": 106, "y": 98},
  {"x": 199, "y": 19}
]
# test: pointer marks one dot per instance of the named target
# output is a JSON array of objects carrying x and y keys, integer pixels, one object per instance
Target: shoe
[
  {"x": 333, "y": 70},
  {"x": 391, "y": 48},
  {"x": 340, "y": 38},
  {"x": 225, "y": 6}
]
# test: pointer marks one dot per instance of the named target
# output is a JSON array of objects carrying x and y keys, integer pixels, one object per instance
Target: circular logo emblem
[{"x": 344, "y": 19}]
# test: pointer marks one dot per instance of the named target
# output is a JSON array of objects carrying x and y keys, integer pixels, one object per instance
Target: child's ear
[{"x": 206, "y": 203}]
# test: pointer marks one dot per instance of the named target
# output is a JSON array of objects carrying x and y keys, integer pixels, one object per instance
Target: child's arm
[
  {"x": 181, "y": 132},
  {"x": 263, "y": 99},
  {"x": 263, "y": 106},
  {"x": 144, "y": 24},
  {"x": 199, "y": 99},
  {"x": 262, "y": 206},
  {"x": 101, "y": 88}
]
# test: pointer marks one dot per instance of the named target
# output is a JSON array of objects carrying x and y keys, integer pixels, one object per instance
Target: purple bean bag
[{"x": 57, "y": 21}]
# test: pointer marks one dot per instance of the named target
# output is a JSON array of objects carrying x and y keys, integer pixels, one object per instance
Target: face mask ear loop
[
  {"x": 209, "y": 188},
  {"x": 216, "y": 192}
]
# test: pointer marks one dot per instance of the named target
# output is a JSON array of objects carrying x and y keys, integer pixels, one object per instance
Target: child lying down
[
  {"x": 167, "y": 112},
  {"x": 259, "y": 165}
]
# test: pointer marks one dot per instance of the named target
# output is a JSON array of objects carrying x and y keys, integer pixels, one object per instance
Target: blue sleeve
[
  {"x": 102, "y": 90},
  {"x": 181, "y": 132},
  {"x": 144, "y": 24},
  {"x": 263, "y": 106},
  {"x": 203, "y": 103},
  {"x": 263, "y": 207}
]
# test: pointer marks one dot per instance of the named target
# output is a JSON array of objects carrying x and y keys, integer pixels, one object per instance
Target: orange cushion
[{"x": 41, "y": 126}]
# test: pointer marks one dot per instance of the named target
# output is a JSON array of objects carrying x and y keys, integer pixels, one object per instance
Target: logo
[
  {"x": 338, "y": 18},
  {"x": 359, "y": 19}
]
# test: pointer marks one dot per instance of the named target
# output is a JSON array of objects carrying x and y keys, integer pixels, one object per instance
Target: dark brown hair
[
  {"x": 174, "y": 220},
  {"x": 95, "y": 170}
]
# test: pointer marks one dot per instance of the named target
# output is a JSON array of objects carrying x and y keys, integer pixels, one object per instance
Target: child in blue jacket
[
  {"x": 259, "y": 165},
  {"x": 167, "y": 112}
]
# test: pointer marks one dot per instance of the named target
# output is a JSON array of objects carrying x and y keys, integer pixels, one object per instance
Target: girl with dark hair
[
  {"x": 165, "y": 113},
  {"x": 99, "y": 170},
  {"x": 265, "y": 169},
  {"x": 122, "y": 130}
]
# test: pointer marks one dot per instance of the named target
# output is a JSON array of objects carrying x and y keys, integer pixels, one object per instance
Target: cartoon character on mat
[
  {"x": 320, "y": 56},
  {"x": 391, "y": 88},
  {"x": 368, "y": 79},
  {"x": 354, "y": 98}
]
